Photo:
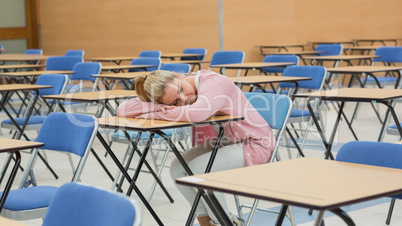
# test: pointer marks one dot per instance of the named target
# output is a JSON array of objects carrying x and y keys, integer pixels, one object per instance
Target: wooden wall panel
[{"x": 125, "y": 27}]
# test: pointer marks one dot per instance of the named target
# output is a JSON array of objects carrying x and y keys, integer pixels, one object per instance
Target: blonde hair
[{"x": 151, "y": 87}]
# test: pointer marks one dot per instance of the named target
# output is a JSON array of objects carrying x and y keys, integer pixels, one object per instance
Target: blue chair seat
[
  {"x": 144, "y": 136},
  {"x": 299, "y": 113},
  {"x": 380, "y": 79},
  {"x": 394, "y": 126},
  {"x": 33, "y": 120},
  {"x": 30, "y": 198}
]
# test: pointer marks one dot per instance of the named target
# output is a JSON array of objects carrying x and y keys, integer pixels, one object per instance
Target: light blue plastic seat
[
  {"x": 202, "y": 51},
  {"x": 82, "y": 205},
  {"x": 227, "y": 57},
  {"x": 62, "y": 63},
  {"x": 278, "y": 59},
  {"x": 376, "y": 154},
  {"x": 275, "y": 109},
  {"x": 75, "y": 52},
  {"x": 34, "y": 51},
  {"x": 150, "y": 53},
  {"x": 60, "y": 132},
  {"x": 155, "y": 62},
  {"x": 176, "y": 67}
]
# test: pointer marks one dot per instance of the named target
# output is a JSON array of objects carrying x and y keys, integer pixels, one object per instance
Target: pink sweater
[{"x": 216, "y": 95}]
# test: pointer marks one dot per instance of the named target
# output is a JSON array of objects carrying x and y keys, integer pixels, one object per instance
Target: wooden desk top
[
  {"x": 250, "y": 65},
  {"x": 362, "y": 47},
  {"x": 354, "y": 94},
  {"x": 279, "y": 46},
  {"x": 9, "y": 222},
  {"x": 107, "y": 59},
  {"x": 33, "y": 73},
  {"x": 363, "y": 69},
  {"x": 145, "y": 125},
  {"x": 22, "y": 57},
  {"x": 173, "y": 55},
  {"x": 305, "y": 182},
  {"x": 125, "y": 76},
  {"x": 16, "y": 145},
  {"x": 121, "y": 67},
  {"x": 332, "y": 42},
  {"x": 21, "y": 87},
  {"x": 375, "y": 39},
  {"x": 186, "y": 62},
  {"x": 96, "y": 96},
  {"x": 300, "y": 53},
  {"x": 266, "y": 79},
  {"x": 341, "y": 57},
  {"x": 20, "y": 66}
]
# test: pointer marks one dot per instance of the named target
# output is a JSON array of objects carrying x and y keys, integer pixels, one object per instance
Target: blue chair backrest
[
  {"x": 146, "y": 61},
  {"x": 33, "y": 51},
  {"x": 227, "y": 57},
  {"x": 317, "y": 73},
  {"x": 79, "y": 204},
  {"x": 279, "y": 59},
  {"x": 57, "y": 81},
  {"x": 64, "y": 63},
  {"x": 179, "y": 68},
  {"x": 75, "y": 52},
  {"x": 330, "y": 49},
  {"x": 389, "y": 54},
  {"x": 67, "y": 132},
  {"x": 372, "y": 153},
  {"x": 150, "y": 53},
  {"x": 274, "y": 108},
  {"x": 83, "y": 71},
  {"x": 194, "y": 51}
]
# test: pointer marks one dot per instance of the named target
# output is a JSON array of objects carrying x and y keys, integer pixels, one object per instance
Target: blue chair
[
  {"x": 75, "y": 52},
  {"x": 156, "y": 62},
  {"x": 176, "y": 67},
  {"x": 150, "y": 53},
  {"x": 34, "y": 51},
  {"x": 195, "y": 51},
  {"x": 389, "y": 56},
  {"x": 278, "y": 59},
  {"x": 58, "y": 83},
  {"x": 82, "y": 205},
  {"x": 393, "y": 130},
  {"x": 62, "y": 63},
  {"x": 275, "y": 109},
  {"x": 60, "y": 132},
  {"x": 330, "y": 49},
  {"x": 227, "y": 57},
  {"x": 373, "y": 153}
]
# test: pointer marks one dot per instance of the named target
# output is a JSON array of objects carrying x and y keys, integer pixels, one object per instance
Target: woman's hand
[{"x": 167, "y": 107}]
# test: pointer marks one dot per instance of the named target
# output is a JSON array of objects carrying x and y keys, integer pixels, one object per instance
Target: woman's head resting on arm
[{"x": 166, "y": 87}]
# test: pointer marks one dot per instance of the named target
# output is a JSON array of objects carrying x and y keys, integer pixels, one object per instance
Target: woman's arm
[
  {"x": 212, "y": 96},
  {"x": 135, "y": 107}
]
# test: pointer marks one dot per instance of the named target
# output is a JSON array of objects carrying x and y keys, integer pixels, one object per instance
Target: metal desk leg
[
  {"x": 345, "y": 217},
  {"x": 282, "y": 215},
  {"x": 10, "y": 179}
]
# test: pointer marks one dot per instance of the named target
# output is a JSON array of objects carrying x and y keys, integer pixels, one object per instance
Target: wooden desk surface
[
  {"x": 363, "y": 69},
  {"x": 126, "y": 76},
  {"x": 250, "y": 65},
  {"x": 354, "y": 94},
  {"x": 20, "y": 66},
  {"x": 266, "y": 79},
  {"x": 362, "y": 47},
  {"x": 305, "y": 182},
  {"x": 331, "y": 42},
  {"x": 21, "y": 87},
  {"x": 33, "y": 73},
  {"x": 22, "y": 57},
  {"x": 8, "y": 222},
  {"x": 93, "y": 96},
  {"x": 144, "y": 125},
  {"x": 342, "y": 57},
  {"x": 16, "y": 145},
  {"x": 173, "y": 55},
  {"x": 107, "y": 59},
  {"x": 186, "y": 62},
  {"x": 294, "y": 53},
  {"x": 121, "y": 67},
  {"x": 279, "y": 46}
]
